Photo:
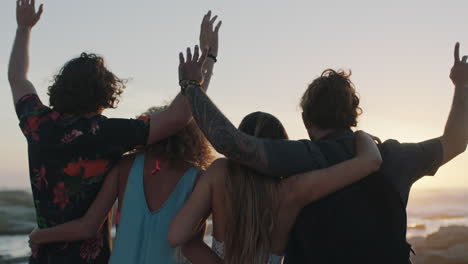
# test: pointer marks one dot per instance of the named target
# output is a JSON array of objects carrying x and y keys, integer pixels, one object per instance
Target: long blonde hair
[{"x": 250, "y": 199}]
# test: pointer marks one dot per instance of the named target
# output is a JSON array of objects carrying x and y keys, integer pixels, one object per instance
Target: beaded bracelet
[{"x": 184, "y": 84}]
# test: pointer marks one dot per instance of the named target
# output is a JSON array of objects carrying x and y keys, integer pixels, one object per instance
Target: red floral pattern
[
  {"x": 91, "y": 168},
  {"x": 68, "y": 159},
  {"x": 41, "y": 177}
]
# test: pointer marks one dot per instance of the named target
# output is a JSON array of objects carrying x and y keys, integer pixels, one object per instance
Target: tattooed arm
[{"x": 278, "y": 158}]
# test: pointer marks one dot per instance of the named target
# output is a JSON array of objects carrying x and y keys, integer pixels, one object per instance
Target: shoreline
[{"x": 449, "y": 245}]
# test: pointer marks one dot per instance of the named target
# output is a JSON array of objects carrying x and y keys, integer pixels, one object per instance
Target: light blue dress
[{"x": 142, "y": 235}]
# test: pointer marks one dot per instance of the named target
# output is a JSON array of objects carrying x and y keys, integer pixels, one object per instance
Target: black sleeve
[
  {"x": 287, "y": 157},
  {"x": 127, "y": 134},
  {"x": 412, "y": 161}
]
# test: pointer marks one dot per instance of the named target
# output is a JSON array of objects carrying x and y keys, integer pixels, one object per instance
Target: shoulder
[
  {"x": 125, "y": 164},
  {"x": 217, "y": 171}
]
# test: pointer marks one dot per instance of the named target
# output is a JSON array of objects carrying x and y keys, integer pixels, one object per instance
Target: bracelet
[
  {"x": 213, "y": 57},
  {"x": 184, "y": 84}
]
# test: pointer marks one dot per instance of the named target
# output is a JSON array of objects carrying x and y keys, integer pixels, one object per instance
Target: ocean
[{"x": 428, "y": 211}]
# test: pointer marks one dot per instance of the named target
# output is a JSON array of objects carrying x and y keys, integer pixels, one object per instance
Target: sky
[{"x": 400, "y": 53}]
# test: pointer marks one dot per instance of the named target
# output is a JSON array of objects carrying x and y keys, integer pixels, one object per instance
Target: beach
[{"x": 437, "y": 226}]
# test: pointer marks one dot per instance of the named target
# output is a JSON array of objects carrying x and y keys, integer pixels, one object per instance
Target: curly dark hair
[
  {"x": 331, "y": 101},
  {"x": 84, "y": 85},
  {"x": 189, "y": 144}
]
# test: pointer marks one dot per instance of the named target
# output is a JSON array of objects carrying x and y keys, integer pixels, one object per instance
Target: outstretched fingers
[
  {"x": 196, "y": 53},
  {"x": 189, "y": 55},
  {"x": 218, "y": 26},
  {"x": 39, "y": 12},
  {"x": 181, "y": 58},
  {"x": 213, "y": 20},
  {"x": 456, "y": 53}
]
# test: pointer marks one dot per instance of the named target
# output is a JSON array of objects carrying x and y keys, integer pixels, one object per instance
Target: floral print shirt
[{"x": 68, "y": 160}]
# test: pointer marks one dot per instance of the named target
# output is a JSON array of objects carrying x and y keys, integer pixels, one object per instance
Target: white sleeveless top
[{"x": 218, "y": 248}]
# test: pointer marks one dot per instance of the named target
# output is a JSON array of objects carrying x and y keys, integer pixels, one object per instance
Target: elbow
[
  {"x": 12, "y": 77},
  {"x": 15, "y": 79},
  {"x": 375, "y": 163}
]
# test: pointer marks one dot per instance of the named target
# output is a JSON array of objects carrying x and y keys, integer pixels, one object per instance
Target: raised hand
[
  {"x": 190, "y": 68},
  {"x": 459, "y": 72},
  {"x": 26, "y": 15},
  {"x": 209, "y": 35}
]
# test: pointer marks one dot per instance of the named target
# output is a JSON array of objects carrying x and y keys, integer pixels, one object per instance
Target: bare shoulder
[
  {"x": 217, "y": 171},
  {"x": 123, "y": 168}
]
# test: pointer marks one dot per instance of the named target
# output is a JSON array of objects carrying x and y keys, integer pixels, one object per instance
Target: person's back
[
  {"x": 368, "y": 210},
  {"x": 145, "y": 217},
  {"x": 253, "y": 214},
  {"x": 69, "y": 156}
]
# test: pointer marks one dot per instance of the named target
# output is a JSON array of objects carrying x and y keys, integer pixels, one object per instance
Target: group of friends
[{"x": 338, "y": 197}]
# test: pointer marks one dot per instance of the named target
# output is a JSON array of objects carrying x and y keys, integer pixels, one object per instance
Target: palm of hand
[
  {"x": 209, "y": 34},
  {"x": 26, "y": 14},
  {"x": 459, "y": 74}
]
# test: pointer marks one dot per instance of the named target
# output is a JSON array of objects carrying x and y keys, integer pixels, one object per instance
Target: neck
[{"x": 316, "y": 133}]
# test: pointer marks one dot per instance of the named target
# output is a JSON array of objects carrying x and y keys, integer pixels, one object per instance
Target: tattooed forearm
[{"x": 222, "y": 134}]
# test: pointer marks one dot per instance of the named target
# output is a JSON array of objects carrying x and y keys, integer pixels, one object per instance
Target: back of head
[
  {"x": 331, "y": 102},
  {"x": 84, "y": 85},
  {"x": 250, "y": 199},
  {"x": 188, "y": 145}
]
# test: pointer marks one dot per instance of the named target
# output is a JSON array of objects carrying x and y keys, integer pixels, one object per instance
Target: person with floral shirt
[{"x": 71, "y": 145}]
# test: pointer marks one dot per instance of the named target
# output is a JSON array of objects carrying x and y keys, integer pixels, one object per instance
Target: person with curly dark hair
[
  {"x": 84, "y": 85},
  {"x": 364, "y": 222},
  {"x": 151, "y": 185},
  {"x": 71, "y": 145}
]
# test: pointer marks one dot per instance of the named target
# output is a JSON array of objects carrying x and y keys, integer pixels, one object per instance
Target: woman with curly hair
[
  {"x": 151, "y": 186},
  {"x": 71, "y": 145}
]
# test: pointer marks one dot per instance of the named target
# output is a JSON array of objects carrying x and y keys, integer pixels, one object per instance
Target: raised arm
[
  {"x": 305, "y": 188},
  {"x": 179, "y": 114},
  {"x": 27, "y": 18},
  {"x": 86, "y": 226},
  {"x": 455, "y": 136}
]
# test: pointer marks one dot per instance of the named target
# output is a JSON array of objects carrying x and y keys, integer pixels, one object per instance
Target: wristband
[
  {"x": 184, "y": 84},
  {"x": 213, "y": 57}
]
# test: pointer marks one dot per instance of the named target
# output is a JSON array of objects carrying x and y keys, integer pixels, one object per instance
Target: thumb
[{"x": 39, "y": 12}]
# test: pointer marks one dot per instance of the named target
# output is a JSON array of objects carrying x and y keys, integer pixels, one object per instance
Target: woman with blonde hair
[{"x": 253, "y": 214}]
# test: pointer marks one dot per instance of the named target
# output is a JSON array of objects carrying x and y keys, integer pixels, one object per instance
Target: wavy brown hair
[
  {"x": 189, "y": 144},
  {"x": 331, "y": 101},
  {"x": 250, "y": 199},
  {"x": 84, "y": 85}
]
